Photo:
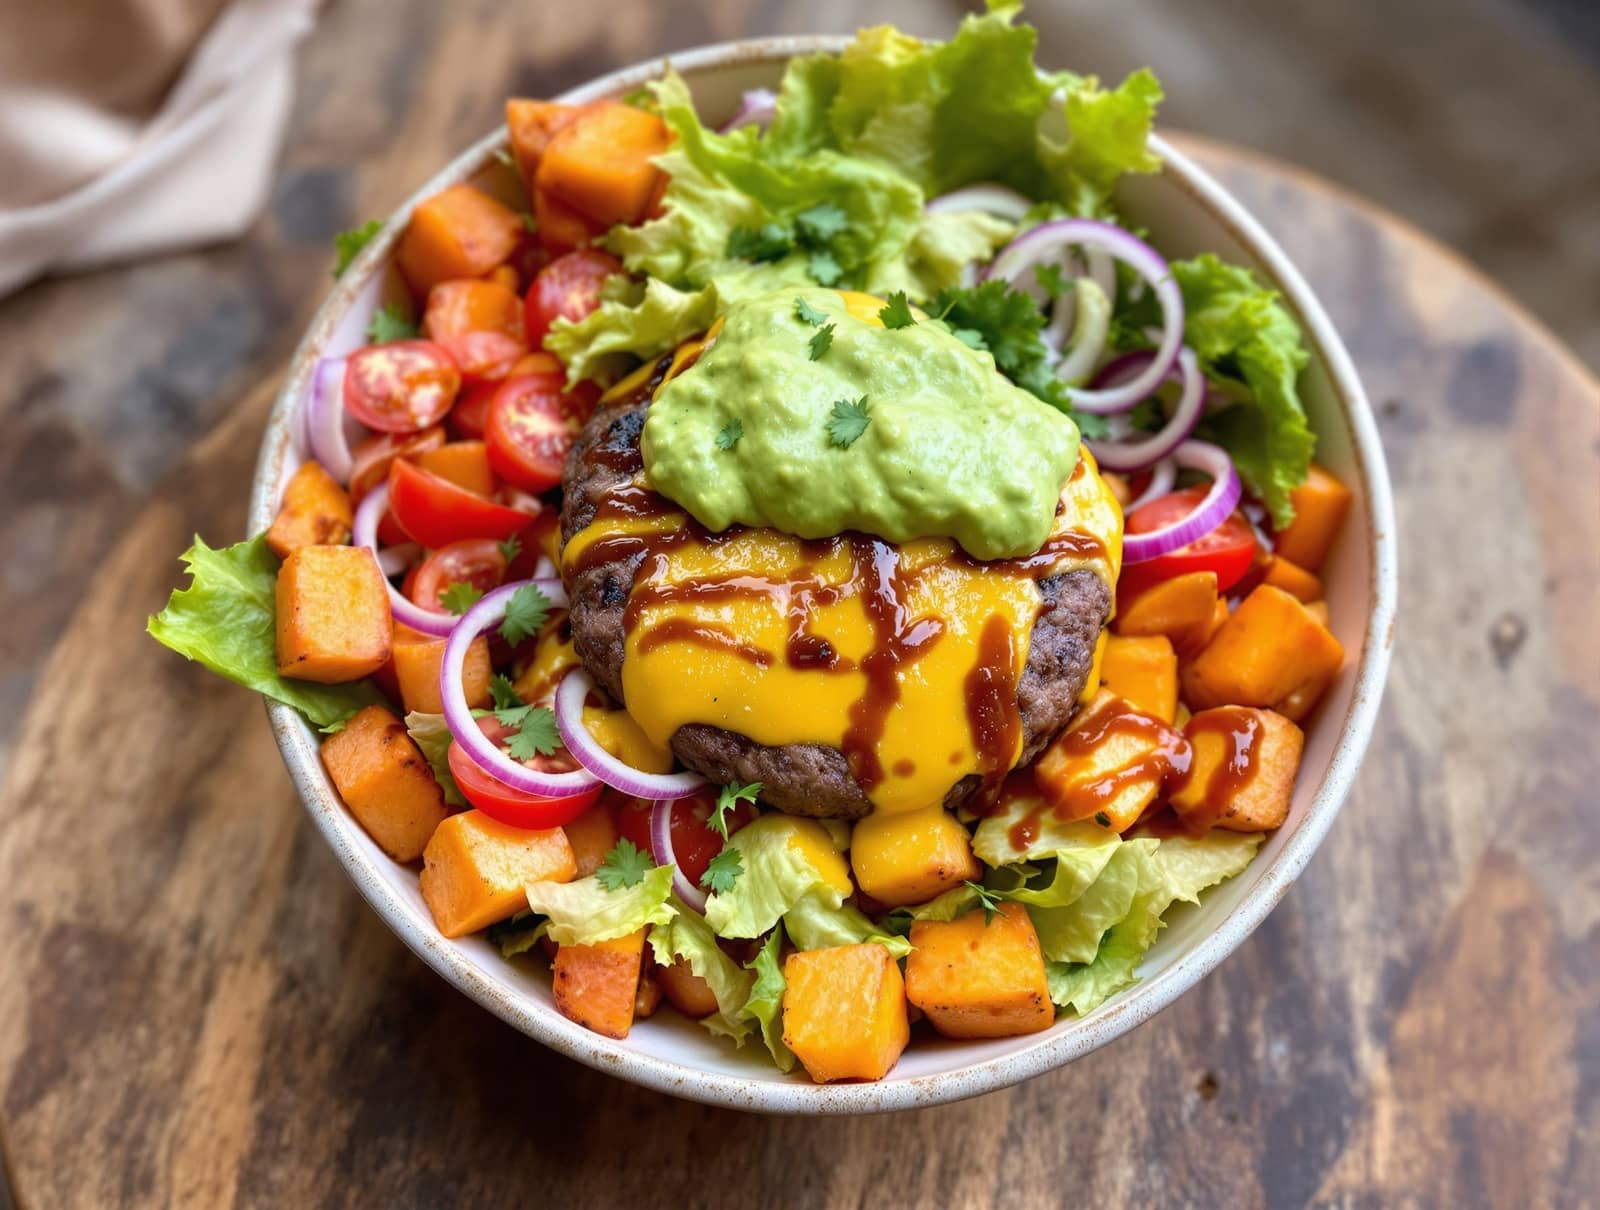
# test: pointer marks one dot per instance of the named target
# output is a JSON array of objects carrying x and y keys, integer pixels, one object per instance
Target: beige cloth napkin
[{"x": 129, "y": 127}]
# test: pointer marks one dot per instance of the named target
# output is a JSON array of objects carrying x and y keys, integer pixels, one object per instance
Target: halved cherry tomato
[
  {"x": 532, "y": 425},
  {"x": 484, "y": 356},
  {"x": 389, "y": 531},
  {"x": 400, "y": 387},
  {"x": 693, "y": 841},
  {"x": 568, "y": 287},
  {"x": 514, "y": 808},
  {"x": 1227, "y": 550},
  {"x": 372, "y": 458},
  {"x": 475, "y": 561},
  {"x": 471, "y": 413},
  {"x": 436, "y": 512}
]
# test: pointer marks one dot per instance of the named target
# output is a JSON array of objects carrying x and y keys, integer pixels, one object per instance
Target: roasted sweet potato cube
[
  {"x": 592, "y": 835},
  {"x": 601, "y": 161},
  {"x": 980, "y": 978},
  {"x": 1183, "y": 608},
  {"x": 1320, "y": 506},
  {"x": 598, "y": 985},
  {"x": 386, "y": 782},
  {"x": 648, "y": 998},
  {"x": 475, "y": 869},
  {"x": 1270, "y": 652},
  {"x": 315, "y": 512},
  {"x": 531, "y": 125},
  {"x": 1241, "y": 771},
  {"x": 562, "y": 228},
  {"x": 686, "y": 991},
  {"x": 912, "y": 856},
  {"x": 1143, "y": 671},
  {"x": 1293, "y": 579},
  {"x": 1108, "y": 765},
  {"x": 459, "y": 232},
  {"x": 844, "y": 1011},
  {"x": 333, "y": 620},
  {"x": 1319, "y": 610},
  {"x": 416, "y": 660}
]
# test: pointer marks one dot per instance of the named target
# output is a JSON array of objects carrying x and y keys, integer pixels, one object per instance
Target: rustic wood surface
[{"x": 196, "y": 1009}]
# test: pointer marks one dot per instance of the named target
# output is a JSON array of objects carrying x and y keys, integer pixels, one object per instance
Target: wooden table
[{"x": 196, "y": 1008}]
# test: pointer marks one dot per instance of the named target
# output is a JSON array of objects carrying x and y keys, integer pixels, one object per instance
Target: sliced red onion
[
  {"x": 1134, "y": 455},
  {"x": 326, "y": 424},
  {"x": 661, "y": 849},
  {"x": 544, "y": 569},
  {"x": 1089, "y": 333},
  {"x": 1162, "y": 477},
  {"x": 1095, "y": 264},
  {"x": 397, "y": 559},
  {"x": 586, "y": 750},
  {"x": 1040, "y": 244},
  {"x": 989, "y": 196},
  {"x": 756, "y": 108},
  {"x": 464, "y": 728},
  {"x": 364, "y": 532},
  {"x": 1211, "y": 512}
]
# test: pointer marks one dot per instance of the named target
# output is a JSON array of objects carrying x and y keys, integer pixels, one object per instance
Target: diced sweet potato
[
  {"x": 460, "y": 232},
  {"x": 386, "y": 782},
  {"x": 531, "y": 125},
  {"x": 600, "y": 162},
  {"x": 1182, "y": 608},
  {"x": 592, "y": 835},
  {"x": 1319, "y": 610},
  {"x": 315, "y": 512},
  {"x": 648, "y": 998},
  {"x": 475, "y": 869},
  {"x": 844, "y": 1011},
  {"x": 456, "y": 308},
  {"x": 1242, "y": 769},
  {"x": 688, "y": 992},
  {"x": 1320, "y": 506},
  {"x": 417, "y": 659},
  {"x": 1293, "y": 579},
  {"x": 1109, "y": 764},
  {"x": 912, "y": 856},
  {"x": 1143, "y": 671},
  {"x": 1270, "y": 652},
  {"x": 561, "y": 228},
  {"x": 464, "y": 463},
  {"x": 597, "y": 985},
  {"x": 333, "y": 620},
  {"x": 978, "y": 978}
]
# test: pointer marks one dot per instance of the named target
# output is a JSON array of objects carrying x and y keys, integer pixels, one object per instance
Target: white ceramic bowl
[{"x": 1186, "y": 212}]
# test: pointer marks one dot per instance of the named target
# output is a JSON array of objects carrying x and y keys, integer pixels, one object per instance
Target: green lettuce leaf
[
  {"x": 431, "y": 734},
  {"x": 226, "y": 620},
  {"x": 1071, "y": 932},
  {"x": 764, "y": 1006},
  {"x": 992, "y": 840},
  {"x": 687, "y": 936},
  {"x": 584, "y": 912},
  {"x": 818, "y": 920},
  {"x": 517, "y": 934},
  {"x": 777, "y": 875}
]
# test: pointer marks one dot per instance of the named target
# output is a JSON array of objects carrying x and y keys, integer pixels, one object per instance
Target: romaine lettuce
[{"x": 583, "y": 912}]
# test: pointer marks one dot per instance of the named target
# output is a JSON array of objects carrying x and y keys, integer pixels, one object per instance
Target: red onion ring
[
  {"x": 1038, "y": 244},
  {"x": 396, "y": 559},
  {"x": 364, "y": 532},
  {"x": 586, "y": 750},
  {"x": 1095, "y": 264},
  {"x": 464, "y": 728},
  {"x": 1211, "y": 512},
  {"x": 988, "y": 196},
  {"x": 325, "y": 419},
  {"x": 1162, "y": 477},
  {"x": 661, "y": 849},
  {"x": 756, "y": 108},
  {"x": 1124, "y": 455}
]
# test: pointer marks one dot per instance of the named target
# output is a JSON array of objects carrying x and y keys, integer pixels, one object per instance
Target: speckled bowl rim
[{"x": 298, "y": 746}]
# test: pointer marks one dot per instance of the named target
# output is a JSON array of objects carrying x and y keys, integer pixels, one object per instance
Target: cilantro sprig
[
  {"x": 347, "y": 245},
  {"x": 729, "y": 797},
  {"x": 728, "y": 436},
  {"x": 812, "y": 232},
  {"x": 848, "y": 420},
  {"x": 896, "y": 313},
  {"x": 510, "y": 548},
  {"x": 525, "y": 614},
  {"x": 723, "y": 872},
  {"x": 821, "y": 341},
  {"x": 389, "y": 324},
  {"x": 460, "y": 596},
  {"x": 624, "y": 866},
  {"x": 987, "y": 899},
  {"x": 535, "y": 726},
  {"x": 809, "y": 315}
]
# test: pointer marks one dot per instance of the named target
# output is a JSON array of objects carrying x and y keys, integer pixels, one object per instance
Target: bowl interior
[{"x": 1185, "y": 214}]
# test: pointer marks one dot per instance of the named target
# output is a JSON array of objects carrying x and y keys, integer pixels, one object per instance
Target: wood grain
[{"x": 197, "y": 1010}]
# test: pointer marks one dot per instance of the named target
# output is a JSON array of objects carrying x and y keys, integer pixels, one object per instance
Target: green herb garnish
[
  {"x": 847, "y": 421},
  {"x": 624, "y": 866}
]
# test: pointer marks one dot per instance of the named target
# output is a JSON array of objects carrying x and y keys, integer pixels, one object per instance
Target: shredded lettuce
[
  {"x": 687, "y": 936},
  {"x": 431, "y": 734},
  {"x": 817, "y": 922},
  {"x": 583, "y": 912},
  {"x": 764, "y": 1006},
  {"x": 226, "y": 620},
  {"x": 777, "y": 875}
]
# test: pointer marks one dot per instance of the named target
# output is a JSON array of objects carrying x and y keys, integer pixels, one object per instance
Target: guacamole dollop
[{"x": 950, "y": 447}]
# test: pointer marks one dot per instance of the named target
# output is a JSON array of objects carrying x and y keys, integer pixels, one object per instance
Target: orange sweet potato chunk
[
  {"x": 561, "y": 227},
  {"x": 475, "y": 869},
  {"x": 978, "y": 978},
  {"x": 592, "y": 835},
  {"x": 844, "y": 1011},
  {"x": 458, "y": 307},
  {"x": 1242, "y": 769},
  {"x": 911, "y": 856},
  {"x": 1272, "y": 651},
  {"x": 385, "y": 781},
  {"x": 1143, "y": 671},
  {"x": 531, "y": 125},
  {"x": 1293, "y": 579},
  {"x": 461, "y": 232},
  {"x": 315, "y": 512},
  {"x": 1110, "y": 762},
  {"x": 600, "y": 162},
  {"x": 333, "y": 620},
  {"x": 1320, "y": 506},
  {"x": 597, "y": 985},
  {"x": 417, "y": 659},
  {"x": 1182, "y": 608},
  {"x": 686, "y": 991}
]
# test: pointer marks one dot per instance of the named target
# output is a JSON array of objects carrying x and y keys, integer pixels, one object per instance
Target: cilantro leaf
[
  {"x": 389, "y": 324},
  {"x": 768, "y": 242},
  {"x": 727, "y": 798},
  {"x": 897, "y": 312},
  {"x": 1053, "y": 281},
  {"x": 723, "y": 872},
  {"x": 821, "y": 223},
  {"x": 807, "y": 314},
  {"x": 348, "y": 244},
  {"x": 624, "y": 866},
  {"x": 510, "y": 548},
  {"x": 847, "y": 421},
  {"x": 1101, "y": 818},
  {"x": 987, "y": 899},
  {"x": 970, "y": 337},
  {"x": 821, "y": 341},
  {"x": 729, "y": 435},
  {"x": 824, "y": 268},
  {"x": 460, "y": 596},
  {"x": 525, "y": 614},
  {"x": 536, "y": 734},
  {"x": 504, "y": 693}
]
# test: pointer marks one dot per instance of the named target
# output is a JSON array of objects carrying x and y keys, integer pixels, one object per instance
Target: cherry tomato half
[
  {"x": 514, "y": 808},
  {"x": 532, "y": 424},
  {"x": 400, "y": 387},
  {"x": 372, "y": 458},
  {"x": 1227, "y": 550},
  {"x": 436, "y": 512},
  {"x": 568, "y": 287},
  {"x": 475, "y": 561},
  {"x": 484, "y": 356},
  {"x": 694, "y": 843}
]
